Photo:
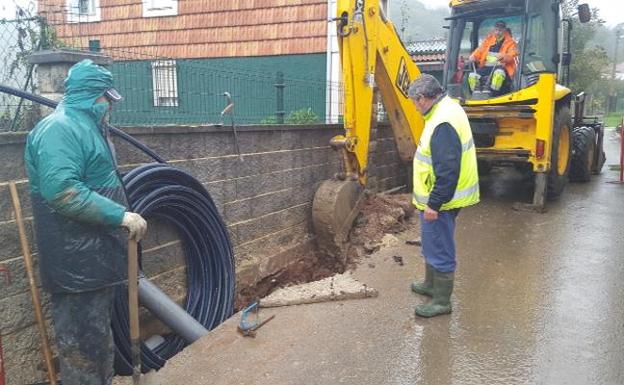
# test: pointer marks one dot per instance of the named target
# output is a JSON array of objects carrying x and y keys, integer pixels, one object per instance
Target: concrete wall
[{"x": 265, "y": 200}]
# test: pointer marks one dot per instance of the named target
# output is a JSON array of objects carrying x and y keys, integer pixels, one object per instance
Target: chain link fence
[{"x": 18, "y": 39}]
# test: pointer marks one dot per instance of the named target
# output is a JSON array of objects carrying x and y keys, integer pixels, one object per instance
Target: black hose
[
  {"x": 113, "y": 130},
  {"x": 159, "y": 190}
]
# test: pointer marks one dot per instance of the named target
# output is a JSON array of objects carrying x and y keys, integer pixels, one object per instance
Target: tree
[
  {"x": 414, "y": 21},
  {"x": 589, "y": 63}
]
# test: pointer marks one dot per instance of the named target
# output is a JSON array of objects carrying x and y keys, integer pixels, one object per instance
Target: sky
[
  {"x": 7, "y": 7},
  {"x": 611, "y": 11}
]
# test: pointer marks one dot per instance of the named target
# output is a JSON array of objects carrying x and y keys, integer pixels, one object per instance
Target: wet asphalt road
[{"x": 539, "y": 299}]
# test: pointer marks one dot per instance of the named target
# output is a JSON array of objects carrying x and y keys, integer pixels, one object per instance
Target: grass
[{"x": 613, "y": 119}]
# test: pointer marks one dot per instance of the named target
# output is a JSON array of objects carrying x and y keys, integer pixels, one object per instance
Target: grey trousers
[{"x": 82, "y": 324}]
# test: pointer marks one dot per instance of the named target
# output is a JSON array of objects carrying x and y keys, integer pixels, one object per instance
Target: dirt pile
[{"x": 380, "y": 214}]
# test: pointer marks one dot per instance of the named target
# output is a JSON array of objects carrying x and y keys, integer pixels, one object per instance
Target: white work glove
[{"x": 135, "y": 224}]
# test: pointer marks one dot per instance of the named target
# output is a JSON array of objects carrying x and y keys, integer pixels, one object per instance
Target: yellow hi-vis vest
[{"x": 449, "y": 111}]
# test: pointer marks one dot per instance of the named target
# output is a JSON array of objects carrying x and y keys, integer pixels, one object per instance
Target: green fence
[{"x": 288, "y": 89}]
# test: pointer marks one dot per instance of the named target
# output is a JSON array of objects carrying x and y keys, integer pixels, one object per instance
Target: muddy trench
[{"x": 380, "y": 214}]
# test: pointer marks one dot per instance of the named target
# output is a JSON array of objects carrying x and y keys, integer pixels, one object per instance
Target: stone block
[
  {"x": 172, "y": 282},
  {"x": 273, "y": 222},
  {"x": 207, "y": 169},
  {"x": 163, "y": 258},
  {"x": 10, "y": 242},
  {"x": 272, "y": 243},
  {"x": 19, "y": 278},
  {"x": 250, "y": 186},
  {"x": 222, "y": 192},
  {"x": 159, "y": 232},
  {"x": 12, "y": 162},
  {"x": 6, "y": 204},
  {"x": 255, "y": 164},
  {"x": 251, "y": 142},
  {"x": 18, "y": 311},
  {"x": 23, "y": 360}
]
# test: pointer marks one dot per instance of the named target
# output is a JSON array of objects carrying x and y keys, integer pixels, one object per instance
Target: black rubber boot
[
  {"x": 441, "y": 302},
  {"x": 425, "y": 287}
]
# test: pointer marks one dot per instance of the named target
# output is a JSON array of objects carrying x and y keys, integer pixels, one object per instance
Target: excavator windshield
[{"x": 497, "y": 47}]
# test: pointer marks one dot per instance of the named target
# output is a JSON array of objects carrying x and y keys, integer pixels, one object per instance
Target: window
[
  {"x": 83, "y": 11},
  {"x": 156, "y": 8},
  {"x": 165, "y": 83}
]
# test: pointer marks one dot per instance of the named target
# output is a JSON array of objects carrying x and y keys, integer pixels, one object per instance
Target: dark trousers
[
  {"x": 438, "y": 241},
  {"x": 82, "y": 324}
]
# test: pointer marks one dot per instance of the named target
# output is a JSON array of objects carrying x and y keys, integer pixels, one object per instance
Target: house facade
[{"x": 175, "y": 59}]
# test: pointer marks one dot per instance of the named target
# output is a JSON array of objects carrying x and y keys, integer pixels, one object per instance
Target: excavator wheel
[
  {"x": 561, "y": 154},
  {"x": 334, "y": 208},
  {"x": 584, "y": 142}
]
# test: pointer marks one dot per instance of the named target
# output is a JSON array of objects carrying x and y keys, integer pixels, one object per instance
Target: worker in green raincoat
[{"x": 80, "y": 211}]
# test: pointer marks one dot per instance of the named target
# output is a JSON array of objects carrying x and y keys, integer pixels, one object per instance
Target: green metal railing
[{"x": 191, "y": 91}]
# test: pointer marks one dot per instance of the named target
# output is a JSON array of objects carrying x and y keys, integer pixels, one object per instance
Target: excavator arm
[{"x": 373, "y": 58}]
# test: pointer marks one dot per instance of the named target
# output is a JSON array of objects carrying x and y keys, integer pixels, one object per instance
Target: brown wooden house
[
  {"x": 168, "y": 54},
  {"x": 193, "y": 28}
]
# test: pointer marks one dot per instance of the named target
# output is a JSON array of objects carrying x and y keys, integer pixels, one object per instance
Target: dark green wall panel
[{"x": 202, "y": 82}]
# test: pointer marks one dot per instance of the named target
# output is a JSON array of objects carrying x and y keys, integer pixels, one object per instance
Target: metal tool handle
[{"x": 133, "y": 309}]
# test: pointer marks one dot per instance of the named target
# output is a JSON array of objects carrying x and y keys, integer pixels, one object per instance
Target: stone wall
[{"x": 265, "y": 198}]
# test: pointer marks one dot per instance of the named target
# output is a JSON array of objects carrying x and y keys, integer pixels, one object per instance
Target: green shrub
[{"x": 303, "y": 116}]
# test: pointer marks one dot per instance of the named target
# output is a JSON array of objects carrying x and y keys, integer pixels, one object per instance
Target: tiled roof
[
  {"x": 428, "y": 57},
  {"x": 427, "y": 51},
  {"x": 430, "y": 46}
]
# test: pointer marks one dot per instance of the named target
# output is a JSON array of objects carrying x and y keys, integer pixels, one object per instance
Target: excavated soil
[{"x": 380, "y": 214}]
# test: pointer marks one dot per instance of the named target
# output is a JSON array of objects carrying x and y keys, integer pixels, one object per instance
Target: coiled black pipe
[{"x": 161, "y": 191}]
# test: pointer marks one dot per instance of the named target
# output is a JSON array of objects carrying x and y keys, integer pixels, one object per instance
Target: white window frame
[
  {"x": 158, "y": 8},
  {"x": 93, "y": 14},
  {"x": 165, "y": 83}
]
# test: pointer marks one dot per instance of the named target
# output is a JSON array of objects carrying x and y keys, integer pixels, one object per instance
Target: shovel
[{"x": 133, "y": 308}]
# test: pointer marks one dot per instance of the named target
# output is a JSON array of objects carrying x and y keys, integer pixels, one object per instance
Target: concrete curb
[{"x": 337, "y": 288}]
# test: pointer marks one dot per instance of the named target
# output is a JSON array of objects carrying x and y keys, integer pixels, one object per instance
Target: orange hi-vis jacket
[{"x": 509, "y": 49}]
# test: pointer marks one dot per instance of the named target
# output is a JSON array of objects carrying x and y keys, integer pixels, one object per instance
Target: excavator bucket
[{"x": 335, "y": 207}]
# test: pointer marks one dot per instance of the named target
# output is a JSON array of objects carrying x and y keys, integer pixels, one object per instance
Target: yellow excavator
[{"x": 528, "y": 125}]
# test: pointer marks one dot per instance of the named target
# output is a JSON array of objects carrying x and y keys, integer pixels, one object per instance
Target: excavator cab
[
  {"x": 532, "y": 25},
  {"x": 522, "y": 119}
]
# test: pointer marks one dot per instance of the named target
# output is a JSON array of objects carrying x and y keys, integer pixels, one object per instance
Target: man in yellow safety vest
[{"x": 445, "y": 180}]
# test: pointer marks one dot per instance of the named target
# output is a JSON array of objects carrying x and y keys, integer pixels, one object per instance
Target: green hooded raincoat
[{"x": 78, "y": 198}]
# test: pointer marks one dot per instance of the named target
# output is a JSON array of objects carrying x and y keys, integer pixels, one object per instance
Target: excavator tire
[
  {"x": 602, "y": 158},
  {"x": 598, "y": 165},
  {"x": 561, "y": 153},
  {"x": 583, "y": 154}
]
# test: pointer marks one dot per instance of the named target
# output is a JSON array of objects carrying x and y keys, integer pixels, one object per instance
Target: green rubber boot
[
  {"x": 425, "y": 287},
  {"x": 441, "y": 302}
]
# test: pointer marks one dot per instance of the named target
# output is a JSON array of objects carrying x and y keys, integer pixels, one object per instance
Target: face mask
[{"x": 100, "y": 110}]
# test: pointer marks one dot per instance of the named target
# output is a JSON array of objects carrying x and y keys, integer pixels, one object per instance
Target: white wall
[{"x": 334, "y": 79}]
